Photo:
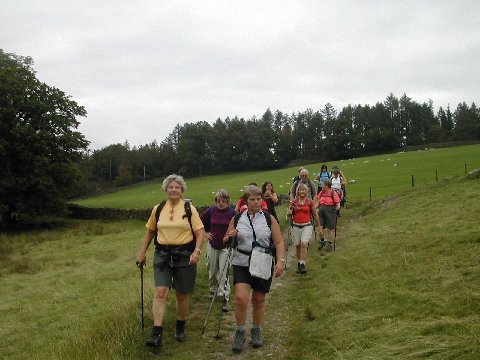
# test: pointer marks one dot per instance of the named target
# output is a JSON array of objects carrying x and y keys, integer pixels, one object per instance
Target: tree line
[
  {"x": 276, "y": 138},
  {"x": 45, "y": 160}
]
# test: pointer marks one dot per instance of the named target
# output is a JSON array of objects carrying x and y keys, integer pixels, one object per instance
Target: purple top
[{"x": 216, "y": 221}]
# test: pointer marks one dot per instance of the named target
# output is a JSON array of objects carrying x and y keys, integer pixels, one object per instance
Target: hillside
[{"x": 403, "y": 283}]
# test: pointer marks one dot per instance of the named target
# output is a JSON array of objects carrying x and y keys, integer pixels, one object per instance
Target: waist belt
[
  {"x": 301, "y": 226},
  {"x": 169, "y": 248},
  {"x": 248, "y": 253}
]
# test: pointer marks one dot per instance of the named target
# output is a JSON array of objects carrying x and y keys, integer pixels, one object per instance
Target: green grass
[
  {"x": 385, "y": 174},
  {"x": 403, "y": 283}
]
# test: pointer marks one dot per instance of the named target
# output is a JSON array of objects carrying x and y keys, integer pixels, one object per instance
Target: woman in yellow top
[{"x": 177, "y": 251}]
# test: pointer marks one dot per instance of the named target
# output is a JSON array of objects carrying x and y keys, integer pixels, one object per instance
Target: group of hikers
[{"x": 246, "y": 238}]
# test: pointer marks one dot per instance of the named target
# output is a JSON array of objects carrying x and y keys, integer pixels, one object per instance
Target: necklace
[{"x": 172, "y": 209}]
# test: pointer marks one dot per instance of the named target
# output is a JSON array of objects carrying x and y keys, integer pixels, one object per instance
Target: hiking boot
[
  {"x": 238, "y": 340},
  {"x": 154, "y": 341},
  {"x": 329, "y": 246},
  {"x": 257, "y": 339},
  {"x": 225, "y": 307},
  {"x": 303, "y": 269},
  {"x": 321, "y": 245},
  {"x": 179, "y": 332}
]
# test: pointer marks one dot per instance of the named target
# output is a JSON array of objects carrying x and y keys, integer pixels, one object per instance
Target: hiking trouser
[{"x": 216, "y": 263}]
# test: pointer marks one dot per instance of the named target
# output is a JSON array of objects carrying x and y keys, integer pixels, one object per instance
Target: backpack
[{"x": 188, "y": 215}]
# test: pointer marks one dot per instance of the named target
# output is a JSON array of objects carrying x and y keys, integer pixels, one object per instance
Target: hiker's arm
[
  {"x": 142, "y": 257},
  {"x": 195, "y": 256},
  {"x": 316, "y": 218},
  {"x": 279, "y": 247},
  {"x": 336, "y": 200},
  {"x": 231, "y": 232}
]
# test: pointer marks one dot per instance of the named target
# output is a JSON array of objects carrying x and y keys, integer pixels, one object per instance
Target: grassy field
[
  {"x": 384, "y": 174},
  {"x": 403, "y": 283}
]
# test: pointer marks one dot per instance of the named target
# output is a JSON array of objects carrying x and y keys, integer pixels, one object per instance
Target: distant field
[{"x": 384, "y": 174}]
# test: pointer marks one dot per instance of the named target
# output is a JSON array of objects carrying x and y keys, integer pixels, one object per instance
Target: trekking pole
[
  {"x": 227, "y": 264},
  {"x": 335, "y": 237},
  {"x": 141, "y": 266},
  {"x": 230, "y": 247}
]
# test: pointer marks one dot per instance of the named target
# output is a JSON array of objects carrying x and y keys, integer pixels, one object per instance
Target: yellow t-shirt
[{"x": 176, "y": 231}]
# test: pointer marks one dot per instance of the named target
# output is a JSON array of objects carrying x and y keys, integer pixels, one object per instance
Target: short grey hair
[
  {"x": 222, "y": 194},
  {"x": 304, "y": 171},
  {"x": 174, "y": 177},
  {"x": 252, "y": 190}
]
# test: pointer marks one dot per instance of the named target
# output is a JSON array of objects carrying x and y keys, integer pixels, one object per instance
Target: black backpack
[{"x": 188, "y": 215}]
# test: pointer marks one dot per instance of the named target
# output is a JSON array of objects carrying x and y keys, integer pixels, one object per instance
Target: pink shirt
[{"x": 325, "y": 198}]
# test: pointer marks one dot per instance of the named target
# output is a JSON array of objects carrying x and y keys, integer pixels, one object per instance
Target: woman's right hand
[
  {"x": 232, "y": 233},
  {"x": 141, "y": 260}
]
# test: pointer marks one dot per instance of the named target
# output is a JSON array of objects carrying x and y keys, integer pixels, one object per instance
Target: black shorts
[
  {"x": 241, "y": 275},
  {"x": 174, "y": 273}
]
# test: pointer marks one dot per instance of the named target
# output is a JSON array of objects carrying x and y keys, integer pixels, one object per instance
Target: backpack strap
[
  {"x": 331, "y": 194},
  {"x": 208, "y": 223},
  {"x": 157, "y": 216},
  {"x": 188, "y": 215},
  {"x": 268, "y": 219}
]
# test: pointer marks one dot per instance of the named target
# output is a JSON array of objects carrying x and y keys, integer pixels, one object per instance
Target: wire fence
[{"x": 422, "y": 177}]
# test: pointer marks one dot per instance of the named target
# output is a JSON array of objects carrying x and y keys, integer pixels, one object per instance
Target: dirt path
[{"x": 274, "y": 319}]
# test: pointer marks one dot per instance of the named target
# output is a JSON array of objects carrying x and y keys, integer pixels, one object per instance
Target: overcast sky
[{"x": 140, "y": 67}]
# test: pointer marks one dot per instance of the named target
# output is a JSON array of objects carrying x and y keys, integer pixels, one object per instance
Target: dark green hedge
[{"x": 82, "y": 212}]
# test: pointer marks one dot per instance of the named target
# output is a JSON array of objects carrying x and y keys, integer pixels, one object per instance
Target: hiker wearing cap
[
  {"x": 177, "y": 231},
  {"x": 328, "y": 202}
]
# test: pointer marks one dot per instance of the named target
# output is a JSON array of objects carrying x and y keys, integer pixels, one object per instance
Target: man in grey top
[{"x": 311, "y": 192}]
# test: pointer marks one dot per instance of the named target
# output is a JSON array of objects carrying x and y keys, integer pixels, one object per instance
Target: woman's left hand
[{"x": 194, "y": 258}]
